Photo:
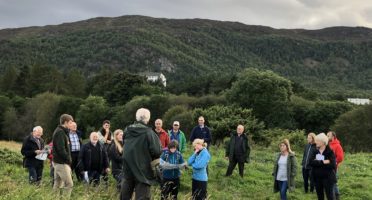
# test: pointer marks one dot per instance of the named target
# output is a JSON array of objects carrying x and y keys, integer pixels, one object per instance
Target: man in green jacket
[
  {"x": 62, "y": 157},
  {"x": 141, "y": 147},
  {"x": 237, "y": 151},
  {"x": 178, "y": 135}
]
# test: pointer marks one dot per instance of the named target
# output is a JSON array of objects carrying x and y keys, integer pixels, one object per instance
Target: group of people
[
  {"x": 321, "y": 158},
  {"x": 141, "y": 157}
]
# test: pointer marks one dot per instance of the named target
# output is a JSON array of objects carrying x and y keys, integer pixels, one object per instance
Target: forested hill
[{"x": 195, "y": 52}]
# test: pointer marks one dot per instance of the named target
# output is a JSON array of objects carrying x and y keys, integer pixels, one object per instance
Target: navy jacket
[{"x": 201, "y": 133}]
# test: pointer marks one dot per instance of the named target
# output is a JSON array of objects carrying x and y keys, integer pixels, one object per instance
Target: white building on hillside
[
  {"x": 358, "y": 101},
  {"x": 154, "y": 77}
]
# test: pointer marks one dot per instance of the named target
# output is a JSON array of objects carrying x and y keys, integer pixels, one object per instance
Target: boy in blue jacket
[{"x": 171, "y": 161}]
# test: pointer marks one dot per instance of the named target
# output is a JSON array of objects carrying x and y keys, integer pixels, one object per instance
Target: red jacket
[
  {"x": 164, "y": 138},
  {"x": 337, "y": 149}
]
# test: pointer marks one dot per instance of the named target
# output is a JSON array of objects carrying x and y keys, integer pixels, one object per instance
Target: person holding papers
[{"x": 323, "y": 162}]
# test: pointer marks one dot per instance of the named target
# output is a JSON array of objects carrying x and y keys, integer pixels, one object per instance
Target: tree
[
  {"x": 224, "y": 119},
  {"x": 8, "y": 80},
  {"x": 75, "y": 83},
  {"x": 10, "y": 125},
  {"x": 20, "y": 86},
  {"x": 5, "y": 103},
  {"x": 354, "y": 129},
  {"x": 92, "y": 112},
  {"x": 266, "y": 93}
]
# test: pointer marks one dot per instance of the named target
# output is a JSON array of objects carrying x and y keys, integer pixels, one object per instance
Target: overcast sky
[{"x": 309, "y": 14}]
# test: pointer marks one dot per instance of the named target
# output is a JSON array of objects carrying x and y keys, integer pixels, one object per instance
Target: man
[
  {"x": 237, "y": 151},
  {"x": 141, "y": 147},
  {"x": 93, "y": 160},
  {"x": 75, "y": 144},
  {"x": 176, "y": 134},
  {"x": 105, "y": 135},
  {"x": 62, "y": 157},
  {"x": 162, "y": 134},
  {"x": 202, "y": 132},
  {"x": 33, "y": 146},
  {"x": 339, "y": 154}
]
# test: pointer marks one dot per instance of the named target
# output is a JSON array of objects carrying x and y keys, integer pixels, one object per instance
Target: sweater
[{"x": 199, "y": 162}]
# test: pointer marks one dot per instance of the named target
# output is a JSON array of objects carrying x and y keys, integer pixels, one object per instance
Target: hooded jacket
[
  {"x": 337, "y": 149},
  {"x": 291, "y": 172},
  {"x": 199, "y": 162},
  {"x": 141, "y": 146},
  {"x": 181, "y": 139}
]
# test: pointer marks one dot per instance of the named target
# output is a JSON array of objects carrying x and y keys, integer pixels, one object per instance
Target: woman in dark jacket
[
  {"x": 310, "y": 147},
  {"x": 116, "y": 156},
  {"x": 32, "y": 146},
  {"x": 323, "y": 163}
]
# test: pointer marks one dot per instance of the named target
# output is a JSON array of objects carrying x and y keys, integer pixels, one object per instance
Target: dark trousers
[
  {"x": 95, "y": 177},
  {"x": 283, "y": 186},
  {"x": 75, "y": 161},
  {"x": 199, "y": 190},
  {"x": 324, "y": 186},
  {"x": 35, "y": 173},
  {"x": 118, "y": 177},
  {"x": 169, "y": 188},
  {"x": 232, "y": 165},
  {"x": 129, "y": 185},
  {"x": 306, "y": 174}
]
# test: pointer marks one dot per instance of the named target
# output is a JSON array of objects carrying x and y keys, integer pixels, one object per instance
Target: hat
[{"x": 176, "y": 123}]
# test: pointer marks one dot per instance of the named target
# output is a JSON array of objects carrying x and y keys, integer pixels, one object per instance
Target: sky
[{"x": 307, "y": 14}]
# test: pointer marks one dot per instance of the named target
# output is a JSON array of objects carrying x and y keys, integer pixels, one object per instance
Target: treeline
[
  {"x": 266, "y": 103},
  {"x": 328, "y": 61}
]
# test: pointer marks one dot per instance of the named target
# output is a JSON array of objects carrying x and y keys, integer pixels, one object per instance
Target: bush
[{"x": 296, "y": 138}]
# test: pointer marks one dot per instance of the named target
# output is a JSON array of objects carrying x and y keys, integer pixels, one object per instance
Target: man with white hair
[
  {"x": 162, "y": 134},
  {"x": 237, "y": 151},
  {"x": 93, "y": 160},
  {"x": 33, "y": 146},
  {"x": 141, "y": 147}
]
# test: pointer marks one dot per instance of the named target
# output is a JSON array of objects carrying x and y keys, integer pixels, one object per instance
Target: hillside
[
  {"x": 257, "y": 183},
  {"x": 330, "y": 59}
]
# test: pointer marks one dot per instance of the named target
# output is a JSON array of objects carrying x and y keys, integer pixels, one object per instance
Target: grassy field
[{"x": 355, "y": 179}]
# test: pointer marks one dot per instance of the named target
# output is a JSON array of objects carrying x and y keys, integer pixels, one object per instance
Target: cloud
[{"x": 309, "y": 14}]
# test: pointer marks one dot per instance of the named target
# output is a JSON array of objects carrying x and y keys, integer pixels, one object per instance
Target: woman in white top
[{"x": 285, "y": 168}]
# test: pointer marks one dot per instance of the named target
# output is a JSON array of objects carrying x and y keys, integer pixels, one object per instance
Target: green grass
[{"x": 355, "y": 180}]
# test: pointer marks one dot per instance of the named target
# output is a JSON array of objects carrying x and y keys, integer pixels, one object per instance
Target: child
[
  {"x": 199, "y": 162},
  {"x": 171, "y": 161}
]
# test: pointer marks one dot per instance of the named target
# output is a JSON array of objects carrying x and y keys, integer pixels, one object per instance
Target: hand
[
  {"x": 107, "y": 170},
  {"x": 227, "y": 158},
  {"x": 326, "y": 162},
  {"x": 196, "y": 151},
  {"x": 108, "y": 141},
  {"x": 38, "y": 152}
]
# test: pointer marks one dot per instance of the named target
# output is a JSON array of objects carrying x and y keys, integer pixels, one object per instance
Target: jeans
[
  {"x": 283, "y": 185},
  {"x": 199, "y": 190},
  {"x": 128, "y": 186},
  {"x": 35, "y": 174},
  {"x": 306, "y": 174}
]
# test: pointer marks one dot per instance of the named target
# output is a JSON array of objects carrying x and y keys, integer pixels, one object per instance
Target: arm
[
  {"x": 105, "y": 159},
  {"x": 208, "y": 136},
  {"x": 339, "y": 154},
  {"x": 192, "y": 135},
  {"x": 80, "y": 164},
  {"x": 294, "y": 167},
  {"x": 183, "y": 141},
  {"x": 191, "y": 159},
  {"x": 248, "y": 153},
  {"x": 227, "y": 148},
  {"x": 154, "y": 145},
  {"x": 114, "y": 154}
]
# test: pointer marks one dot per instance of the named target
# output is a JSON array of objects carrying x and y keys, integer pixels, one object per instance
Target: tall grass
[{"x": 355, "y": 180}]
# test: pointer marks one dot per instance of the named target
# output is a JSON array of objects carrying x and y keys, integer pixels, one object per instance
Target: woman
[
  {"x": 116, "y": 152},
  {"x": 199, "y": 162},
  {"x": 323, "y": 163},
  {"x": 285, "y": 169},
  {"x": 310, "y": 147}
]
